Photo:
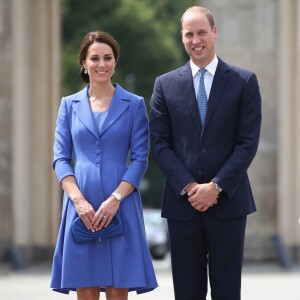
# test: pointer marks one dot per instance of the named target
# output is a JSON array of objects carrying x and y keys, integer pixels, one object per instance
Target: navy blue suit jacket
[{"x": 220, "y": 151}]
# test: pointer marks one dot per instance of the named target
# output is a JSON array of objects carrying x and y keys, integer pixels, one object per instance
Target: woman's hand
[
  {"x": 105, "y": 213},
  {"x": 86, "y": 212},
  {"x": 83, "y": 208}
]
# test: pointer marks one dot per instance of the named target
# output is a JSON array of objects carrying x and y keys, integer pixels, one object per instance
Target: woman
[{"x": 97, "y": 128}]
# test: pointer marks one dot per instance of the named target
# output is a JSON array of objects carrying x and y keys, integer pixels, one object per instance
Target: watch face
[
  {"x": 117, "y": 196},
  {"x": 217, "y": 187}
]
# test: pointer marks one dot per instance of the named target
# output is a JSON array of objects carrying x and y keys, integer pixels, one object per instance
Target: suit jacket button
[{"x": 203, "y": 150}]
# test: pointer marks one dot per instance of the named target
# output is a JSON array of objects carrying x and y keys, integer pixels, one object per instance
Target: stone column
[
  {"x": 5, "y": 128},
  {"x": 296, "y": 242},
  {"x": 289, "y": 124},
  {"x": 35, "y": 98}
]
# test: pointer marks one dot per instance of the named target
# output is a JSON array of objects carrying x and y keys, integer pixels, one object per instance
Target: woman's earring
[{"x": 85, "y": 71}]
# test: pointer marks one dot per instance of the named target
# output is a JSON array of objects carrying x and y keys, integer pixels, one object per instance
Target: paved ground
[{"x": 264, "y": 282}]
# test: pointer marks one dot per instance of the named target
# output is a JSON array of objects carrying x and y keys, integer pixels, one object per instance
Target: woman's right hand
[
  {"x": 83, "y": 208},
  {"x": 86, "y": 212}
]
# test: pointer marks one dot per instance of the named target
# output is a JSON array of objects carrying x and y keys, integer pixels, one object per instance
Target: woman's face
[{"x": 100, "y": 63}]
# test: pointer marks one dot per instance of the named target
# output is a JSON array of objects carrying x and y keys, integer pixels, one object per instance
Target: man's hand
[{"x": 202, "y": 196}]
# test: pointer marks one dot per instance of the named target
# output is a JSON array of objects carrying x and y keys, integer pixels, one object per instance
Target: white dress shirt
[{"x": 208, "y": 76}]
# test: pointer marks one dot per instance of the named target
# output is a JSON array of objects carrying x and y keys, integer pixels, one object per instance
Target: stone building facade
[
  {"x": 261, "y": 35},
  {"x": 29, "y": 93}
]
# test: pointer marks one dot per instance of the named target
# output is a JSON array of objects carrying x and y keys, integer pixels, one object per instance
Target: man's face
[{"x": 198, "y": 38}]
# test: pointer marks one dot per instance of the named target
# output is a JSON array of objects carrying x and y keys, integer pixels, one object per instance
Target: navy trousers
[{"x": 207, "y": 246}]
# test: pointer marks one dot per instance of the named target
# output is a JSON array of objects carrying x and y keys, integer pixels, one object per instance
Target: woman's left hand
[{"x": 105, "y": 213}]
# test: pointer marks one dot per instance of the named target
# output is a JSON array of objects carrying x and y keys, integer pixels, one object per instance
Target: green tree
[
  {"x": 145, "y": 30},
  {"x": 148, "y": 32}
]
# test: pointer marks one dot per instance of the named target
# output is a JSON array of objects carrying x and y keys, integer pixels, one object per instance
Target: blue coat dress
[{"x": 99, "y": 161}]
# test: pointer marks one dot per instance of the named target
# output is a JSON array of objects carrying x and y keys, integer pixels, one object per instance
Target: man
[{"x": 205, "y": 130}]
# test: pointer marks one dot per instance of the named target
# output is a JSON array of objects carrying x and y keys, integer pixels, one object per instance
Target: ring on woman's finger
[{"x": 103, "y": 218}]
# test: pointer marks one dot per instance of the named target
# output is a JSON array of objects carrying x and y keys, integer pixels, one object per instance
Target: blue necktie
[{"x": 201, "y": 96}]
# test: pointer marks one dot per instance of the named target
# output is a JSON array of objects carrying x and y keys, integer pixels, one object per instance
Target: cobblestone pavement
[{"x": 263, "y": 282}]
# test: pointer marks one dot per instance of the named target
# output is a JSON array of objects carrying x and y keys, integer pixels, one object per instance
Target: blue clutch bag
[{"x": 83, "y": 235}]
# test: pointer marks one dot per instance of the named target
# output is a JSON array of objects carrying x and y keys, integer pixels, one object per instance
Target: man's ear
[{"x": 215, "y": 30}]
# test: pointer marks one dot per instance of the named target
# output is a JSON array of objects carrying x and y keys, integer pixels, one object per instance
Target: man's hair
[{"x": 203, "y": 10}]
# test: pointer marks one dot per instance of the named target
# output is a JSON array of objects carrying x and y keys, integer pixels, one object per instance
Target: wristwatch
[
  {"x": 218, "y": 188},
  {"x": 117, "y": 196}
]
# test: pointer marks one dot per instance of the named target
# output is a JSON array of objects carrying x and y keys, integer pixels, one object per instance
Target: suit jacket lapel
[
  {"x": 117, "y": 106},
  {"x": 186, "y": 86},
  {"x": 83, "y": 110},
  {"x": 216, "y": 91}
]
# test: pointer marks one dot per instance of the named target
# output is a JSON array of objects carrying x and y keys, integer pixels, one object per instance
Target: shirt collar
[{"x": 211, "y": 67}]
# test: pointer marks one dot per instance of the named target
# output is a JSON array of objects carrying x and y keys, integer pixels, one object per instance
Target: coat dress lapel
[
  {"x": 117, "y": 106},
  {"x": 83, "y": 110}
]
